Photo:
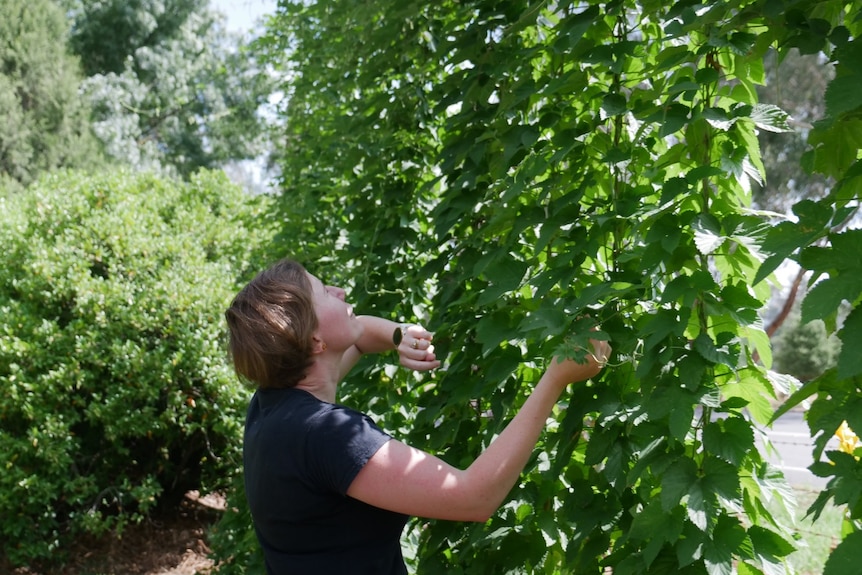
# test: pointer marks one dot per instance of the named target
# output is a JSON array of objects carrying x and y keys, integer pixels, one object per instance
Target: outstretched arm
[{"x": 404, "y": 479}]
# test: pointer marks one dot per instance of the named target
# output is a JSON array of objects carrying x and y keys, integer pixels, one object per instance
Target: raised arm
[
  {"x": 404, "y": 479},
  {"x": 415, "y": 350}
]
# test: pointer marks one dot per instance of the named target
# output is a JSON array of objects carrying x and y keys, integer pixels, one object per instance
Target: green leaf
[
  {"x": 672, "y": 56},
  {"x": 844, "y": 94},
  {"x": 676, "y": 483},
  {"x": 808, "y": 389},
  {"x": 756, "y": 390},
  {"x": 573, "y": 28},
  {"x": 845, "y": 253},
  {"x": 614, "y": 104},
  {"x": 548, "y": 318},
  {"x": 680, "y": 421},
  {"x": 505, "y": 275},
  {"x": 704, "y": 345},
  {"x": 707, "y": 241},
  {"x": 673, "y": 118},
  {"x": 844, "y": 560},
  {"x": 768, "y": 545},
  {"x": 721, "y": 479},
  {"x": 826, "y": 296},
  {"x": 690, "y": 547},
  {"x": 700, "y": 505},
  {"x": 691, "y": 370},
  {"x": 731, "y": 535},
  {"x": 850, "y": 359},
  {"x": 657, "y": 527},
  {"x": 759, "y": 341},
  {"x": 835, "y": 147},
  {"x": 660, "y": 325},
  {"x": 850, "y": 186},
  {"x": 729, "y": 439},
  {"x": 493, "y": 329},
  {"x": 746, "y": 569},
  {"x": 786, "y": 237},
  {"x": 770, "y": 118}
]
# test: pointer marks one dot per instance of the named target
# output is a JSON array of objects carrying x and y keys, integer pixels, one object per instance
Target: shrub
[{"x": 116, "y": 396}]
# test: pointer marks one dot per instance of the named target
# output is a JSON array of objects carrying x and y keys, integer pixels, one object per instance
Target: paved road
[{"x": 790, "y": 438}]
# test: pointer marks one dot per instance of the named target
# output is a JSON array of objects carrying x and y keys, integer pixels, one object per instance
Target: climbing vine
[{"x": 515, "y": 174}]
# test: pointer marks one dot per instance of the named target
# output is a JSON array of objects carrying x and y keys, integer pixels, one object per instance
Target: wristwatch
[{"x": 398, "y": 334}]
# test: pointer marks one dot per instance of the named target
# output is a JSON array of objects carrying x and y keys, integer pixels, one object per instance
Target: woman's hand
[
  {"x": 415, "y": 350},
  {"x": 564, "y": 371}
]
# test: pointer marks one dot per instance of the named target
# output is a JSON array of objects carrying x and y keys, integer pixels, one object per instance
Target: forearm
[{"x": 493, "y": 474}]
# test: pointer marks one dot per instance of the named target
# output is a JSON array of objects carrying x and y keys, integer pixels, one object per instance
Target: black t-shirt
[{"x": 300, "y": 456}]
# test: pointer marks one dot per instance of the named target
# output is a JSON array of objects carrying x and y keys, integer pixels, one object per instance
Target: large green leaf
[
  {"x": 836, "y": 147},
  {"x": 844, "y": 560},
  {"x": 787, "y": 237},
  {"x": 826, "y": 296},
  {"x": 678, "y": 480},
  {"x": 729, "y": 439},
  {"x": 850, "y": 359}
]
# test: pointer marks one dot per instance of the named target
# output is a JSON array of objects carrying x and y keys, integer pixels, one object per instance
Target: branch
[{"x": 788, "y": 304}]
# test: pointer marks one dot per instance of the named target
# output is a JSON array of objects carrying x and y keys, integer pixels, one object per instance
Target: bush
[
  {"x": 116, "y": 395},
  {"x": 805, "y": 350}
]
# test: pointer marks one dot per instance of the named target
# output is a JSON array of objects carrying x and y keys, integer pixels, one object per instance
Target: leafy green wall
[{"x": 515, "y": 173}]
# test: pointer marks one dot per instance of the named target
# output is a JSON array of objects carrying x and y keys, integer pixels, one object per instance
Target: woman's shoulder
[{"x": 301, "y": 405}]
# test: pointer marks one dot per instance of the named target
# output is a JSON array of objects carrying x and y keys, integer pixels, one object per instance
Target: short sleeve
[{"x": 339, "y": 444}]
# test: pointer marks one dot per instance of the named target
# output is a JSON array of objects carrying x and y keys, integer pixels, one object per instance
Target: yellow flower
[{"x": 847, "y": 440}]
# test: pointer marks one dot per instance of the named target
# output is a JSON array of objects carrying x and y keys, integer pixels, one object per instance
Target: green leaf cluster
[
  {"x": 516, "y": 174},
  {"x": 116, "y": 394}
]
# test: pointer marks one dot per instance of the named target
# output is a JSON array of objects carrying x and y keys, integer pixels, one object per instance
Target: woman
[{"x": 329, "y": 491}]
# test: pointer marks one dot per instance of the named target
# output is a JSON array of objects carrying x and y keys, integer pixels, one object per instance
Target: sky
[{"x": 243, "y": 14}]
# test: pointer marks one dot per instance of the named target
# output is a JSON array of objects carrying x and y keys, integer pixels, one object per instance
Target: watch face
[{"x": 396, "y": 336}]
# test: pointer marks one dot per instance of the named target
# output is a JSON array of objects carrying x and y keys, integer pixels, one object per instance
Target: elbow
[
  {"x": 481, "y": 510},
  {"x": 480, "y": 498}
]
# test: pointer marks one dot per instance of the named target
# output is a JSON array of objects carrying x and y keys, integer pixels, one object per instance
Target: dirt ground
[{"x": 171, "y": 545}]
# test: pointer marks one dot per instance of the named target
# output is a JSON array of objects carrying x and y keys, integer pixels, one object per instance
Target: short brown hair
[{"x": 271, "y": 322}]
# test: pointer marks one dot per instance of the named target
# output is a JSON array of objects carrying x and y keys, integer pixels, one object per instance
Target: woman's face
[{"x": 337, "y": 324}]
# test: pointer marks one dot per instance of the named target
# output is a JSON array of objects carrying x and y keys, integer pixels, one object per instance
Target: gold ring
[{"x": 415, "y": 344}]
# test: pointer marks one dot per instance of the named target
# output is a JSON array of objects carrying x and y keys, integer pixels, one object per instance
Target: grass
[{"x": 815, "y": 540}]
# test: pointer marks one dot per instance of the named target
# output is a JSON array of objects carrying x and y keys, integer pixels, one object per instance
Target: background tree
[
  {"x": 529, "y": 171},
  {"x": 43, "y": 123},
  {"x": 170, "y": 86},
  {"x": 805, "y": 351}
]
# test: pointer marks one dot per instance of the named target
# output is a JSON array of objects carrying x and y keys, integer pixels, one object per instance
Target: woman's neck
[{"x": 321, "y": 380}]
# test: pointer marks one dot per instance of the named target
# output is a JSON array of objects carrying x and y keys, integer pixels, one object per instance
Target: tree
[
  {"x": 43, "y": 123},
  {"x": 529, "y": 171},
  {"x": 117, "y": 396},
  {"x": 805, "y": 351},
  {"x": 171, "y": 88}
]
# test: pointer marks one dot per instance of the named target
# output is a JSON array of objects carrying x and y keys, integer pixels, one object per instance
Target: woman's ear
[{"x": 319, "y": 345}]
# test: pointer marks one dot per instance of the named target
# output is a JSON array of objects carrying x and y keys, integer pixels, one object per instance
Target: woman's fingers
[{"x": 416, "y": 350}]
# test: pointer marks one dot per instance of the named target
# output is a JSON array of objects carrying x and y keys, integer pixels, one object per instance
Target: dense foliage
[
  {"x": 523, "y": 171},
  {"x": 116, "y": 395},
  {"x": 43, "y": 123}
]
